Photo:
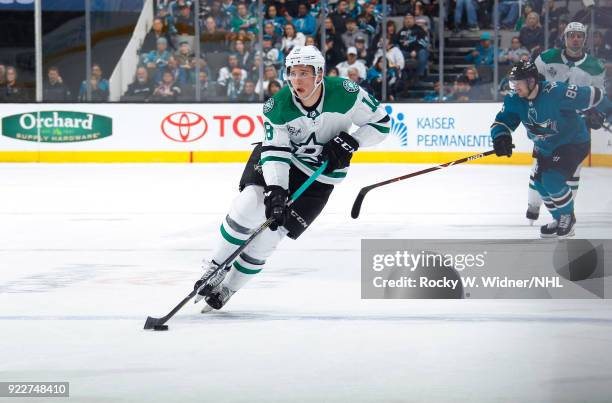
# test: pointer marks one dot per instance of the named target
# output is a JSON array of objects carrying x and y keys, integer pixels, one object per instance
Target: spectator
[
  {"x": 221, "y": 19},
  {"x": 421, "y": 18},
  {"x": 333, "y": 72},
  {"x": 434, "y": 96},
  {"x": 310, "y": 41},
  {"x": 244, "y": 55},
  {"x": 12, "y": 91},
  {"x": 363, "y": 55},
  {"x": 99, "y": 86},
  {"x": 225, "y": 72},
  {"x": 291, "y": 38},
  {"x": 157, "y": 60},
  {"x": 158, "y": 31},
  {"x": 334, "y": 53},
  {"x": 56, "y": 90},
  {"x": 353, "y": 75},
  {"x": 179, "y": 75},
  {"x": 352, "y": 33},
  {"x": 375, "y": 80},
  {"x": 248, "y": 95},
  {"x": 141, "y": 89},
  {"x": 212, "y": 39},
  {"x": 368, "y": 20},
  {"x": 2, "y": 74},
  {"x": 271, "y": 55},
  {"x": 330, "y": 29},
  {"x": 395, "y": 58},
  {"x": 532, "y": 34},
  {"x": 168, "y": 20},
  {"x": 228, "y": 7},
  {"x": 414, "y": 44},
  {"x": 234, "y": 86},
  {"x": 339, "y": 17},
  {"x": 273, "y": 88},
  {"x": 470, "y": 10},
  {"x": 391, "y": 34},
  {"x": 602, "y": 49},
  {"x": 304, "y": 22},
  {"x": 253, "y": 71},
  {"x": 514, "y": 53},
  {"x": 270, "y": 74},
  {"x": 185, "y": 57},
  {"x": 521, "y": 20},
  {"x": 351, "y": 61},
  {"x": 271, "y": 32},
  {"x": 556, "y": 34},
  {"x": 461, "y": 90},
  {"x": 508, "y": 13},
  {"x": 184, "y": 23},
  {"x": 244, "y": 21},
  {"x": 277, "y": 21},
  {"x": 208, "y": 90},
  {"x": 483, "y": 54},
  {"x": 168, "y": 90}
]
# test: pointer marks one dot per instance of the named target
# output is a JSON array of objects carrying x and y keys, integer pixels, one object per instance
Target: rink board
[{"x": 420, "y": 133}]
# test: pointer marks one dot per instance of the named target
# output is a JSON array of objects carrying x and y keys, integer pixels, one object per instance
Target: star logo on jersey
[
  {"x": 267, "y": 107},
  {"x": 309, "y": 150},
  {"x": 350, "y": 86}
]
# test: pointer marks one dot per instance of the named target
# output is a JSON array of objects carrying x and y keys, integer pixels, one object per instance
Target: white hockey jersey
[
  {"x": 296, "y": 136},
  {"x": 588, "y": 71}
]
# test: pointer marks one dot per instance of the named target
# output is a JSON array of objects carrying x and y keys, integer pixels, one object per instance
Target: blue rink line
[{"x": 250, "y": 316}]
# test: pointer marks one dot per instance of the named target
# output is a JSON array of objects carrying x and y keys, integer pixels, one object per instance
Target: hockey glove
[
  {"x": 276, "y": 205},
  {"x": 594, "y": 119},
  {"x": 338, "y": 152},
  {"x": 502, "y": 145}
]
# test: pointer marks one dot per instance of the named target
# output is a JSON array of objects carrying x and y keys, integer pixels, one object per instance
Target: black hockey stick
[
  {"x": 362, "y": 193},
  {"x": 159, "y": 323}
]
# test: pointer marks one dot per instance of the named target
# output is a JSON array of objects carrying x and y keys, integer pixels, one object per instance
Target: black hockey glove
[
  {"x": 503, "y": 145},
  {"x": 338, "y": 152},
  {"x": 276, "y": 205},
  {"x": 594, "y": 119}
]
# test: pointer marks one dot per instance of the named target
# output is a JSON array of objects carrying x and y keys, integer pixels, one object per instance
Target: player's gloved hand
[
  {"x": 276, "y": 205},
  {"x": 594, "y": 119},
  {"x": 503, "y": 145},
  {"x": 338, "y": 152}
]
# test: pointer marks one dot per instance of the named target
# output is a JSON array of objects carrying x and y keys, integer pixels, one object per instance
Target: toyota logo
[{"x": 184, "y": 127}]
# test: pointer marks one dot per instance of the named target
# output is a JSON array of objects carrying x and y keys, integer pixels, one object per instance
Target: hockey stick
[
  {"x": 362, "y": 193},
  {"x": 159, "y": 323}
]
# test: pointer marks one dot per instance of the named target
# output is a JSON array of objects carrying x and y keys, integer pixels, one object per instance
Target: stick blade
[
  {"x": 150, "y": 323},
  {"x": 358, "y": 202}
]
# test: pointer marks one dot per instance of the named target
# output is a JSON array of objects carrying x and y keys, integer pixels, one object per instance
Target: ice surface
[{"x": 88, "y": 251}]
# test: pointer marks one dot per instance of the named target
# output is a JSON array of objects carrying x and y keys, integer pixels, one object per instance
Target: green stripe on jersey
[
  {"x": 380, "y": 128},
  {"x": 276, "y": 159},
  {"x": 229, "y": 238},
  {"x": 334, "y": 174},
  {"x": 244, "y": 270}
]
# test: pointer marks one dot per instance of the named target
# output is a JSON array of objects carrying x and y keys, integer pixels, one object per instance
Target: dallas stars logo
[
  {"x": 308, "y": 150},
  {"x": 268, "y": 105},
  {"x": 350, "y": 86}
]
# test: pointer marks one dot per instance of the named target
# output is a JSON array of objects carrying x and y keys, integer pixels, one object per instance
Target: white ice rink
[{"x": 88, "y": 251}]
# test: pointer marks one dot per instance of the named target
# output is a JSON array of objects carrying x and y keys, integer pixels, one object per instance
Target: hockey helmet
[
  {"x": 574, "y": 27},
  {"x": 524, "y": 70},
  {"x": 306, "y": 56}
]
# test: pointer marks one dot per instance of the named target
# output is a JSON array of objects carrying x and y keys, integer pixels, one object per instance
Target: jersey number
[
  {"x": 269, "y": 131},
  {"x": 571, "y": 91},
  {"x": 372, "y": 103}
]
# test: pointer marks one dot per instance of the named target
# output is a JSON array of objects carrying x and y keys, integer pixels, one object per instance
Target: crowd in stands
[{"x": 229, "y": 64}]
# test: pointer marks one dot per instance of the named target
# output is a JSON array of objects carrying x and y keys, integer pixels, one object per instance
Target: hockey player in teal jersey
[{"x": 550, "y": 113}]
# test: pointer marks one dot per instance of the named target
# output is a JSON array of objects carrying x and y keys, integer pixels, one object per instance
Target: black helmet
[{"x": 523, "y": 70}]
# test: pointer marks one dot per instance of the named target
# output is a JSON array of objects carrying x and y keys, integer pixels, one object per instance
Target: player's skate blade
[
  {"x": 567, "y": 222},
  {"x": 203, "y": 287},
  {"x": 217, "y": 298},
  {"x": 549, "y": 230}
]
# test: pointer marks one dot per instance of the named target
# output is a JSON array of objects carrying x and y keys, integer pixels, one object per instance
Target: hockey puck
[{"x": 160, "y": 327}]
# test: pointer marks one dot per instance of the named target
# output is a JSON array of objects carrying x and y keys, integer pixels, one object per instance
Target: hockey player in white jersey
[
  {"x": 306, "y": 123},
  {"x": 571, "y": 65}
]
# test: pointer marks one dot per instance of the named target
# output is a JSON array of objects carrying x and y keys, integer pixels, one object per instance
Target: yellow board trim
[{"x": 405, "y": 157}]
